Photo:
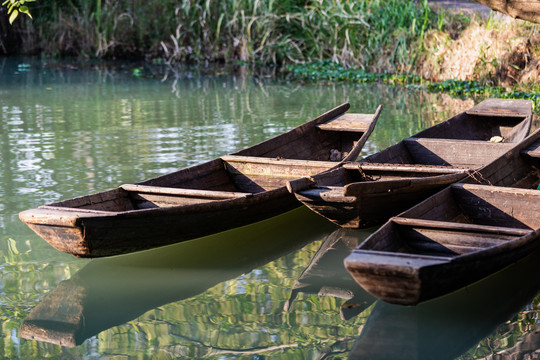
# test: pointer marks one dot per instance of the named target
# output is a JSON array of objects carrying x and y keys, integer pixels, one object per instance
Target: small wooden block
[
  {"x": 348, "y": 122},
  {"x": 502, "y": 108}
]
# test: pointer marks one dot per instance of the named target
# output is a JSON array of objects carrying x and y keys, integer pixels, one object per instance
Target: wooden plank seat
[
  {"x": 496, "y": 108},
  {"x": 256, "y": 174},
  {"x": 413, "y": 168},
  {"x": 441, "y": 143},
  {"x": 447, "y": 225},
  {"x": 60, "y": 216},
  {"x": 195, "y": 193},
  {"x": 442, "y": 237},
  {"x": 456, "y": 152},
  {"x": 373, "y": 257},
  {"x": 348, "y": 122},
  {"x": 278, "y": 161}
]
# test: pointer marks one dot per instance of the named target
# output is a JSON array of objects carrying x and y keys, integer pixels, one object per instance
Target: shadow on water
[
  {"x": 325, "y": 274},
  {"x": 447, "y": 327},
  {"x": 111, "y": 291}
]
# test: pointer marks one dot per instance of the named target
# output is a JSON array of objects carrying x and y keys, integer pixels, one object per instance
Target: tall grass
[{"x": 375, "y": 35}]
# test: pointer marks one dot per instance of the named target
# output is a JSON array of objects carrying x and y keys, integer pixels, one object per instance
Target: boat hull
[
  {"x": 458, "y": 236},
  {"x": 232, "y": 191},
  {"x": 125, "y": 233},
  {"x": 363, "y": 196}
]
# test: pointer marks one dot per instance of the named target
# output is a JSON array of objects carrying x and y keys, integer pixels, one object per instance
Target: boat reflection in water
[
  {"x": 112, "y": 291},
  {"x": 447, "y": 327},
  {"x": 326, "y": 276}
]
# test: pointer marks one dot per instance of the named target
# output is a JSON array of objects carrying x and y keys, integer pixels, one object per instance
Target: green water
[{"x": 276, "y": 289}]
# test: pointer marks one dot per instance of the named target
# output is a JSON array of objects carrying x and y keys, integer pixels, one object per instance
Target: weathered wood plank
[
  {"x": 59, "y": 216},
  {"x": 150, "y": 201},
  {"x": 197, "y": 193},
  {"x": 398, "y": 258},
  {"x": 209, "y": 175},
  {"x": 348, "y": 122},
  {"x": 315, "y": 165},
  {"x": 533, "y": 150},
  {"x": 458, "y": 153},
  {"x": 413, "y": 168},
  {"x": 440, "y": 240},
  {"x": 395, "y": 154},
  {"x": 510, "y": 207},
  {"x": 433, "y": 224},
  {"x": 502, "y": 107}
]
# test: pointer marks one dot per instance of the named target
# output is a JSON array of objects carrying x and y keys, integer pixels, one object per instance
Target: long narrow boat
[
  {"x": 457, "y": 236},
  {"x": 228, "y": 192},
  {"x": 367, "y": 193}
]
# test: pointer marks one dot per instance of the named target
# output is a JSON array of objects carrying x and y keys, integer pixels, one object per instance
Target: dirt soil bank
[{"x": 493, "y": 49}]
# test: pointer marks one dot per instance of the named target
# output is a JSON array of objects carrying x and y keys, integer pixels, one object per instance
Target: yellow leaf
[{"x": 13, "y": 16}]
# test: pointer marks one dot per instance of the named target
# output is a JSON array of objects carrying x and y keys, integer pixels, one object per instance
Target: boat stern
[
  {"x": 62, "y": 230},
  {"x": 392, "y": 277}
]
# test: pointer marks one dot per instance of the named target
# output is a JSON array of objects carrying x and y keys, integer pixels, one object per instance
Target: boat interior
[
  {"x": 259, "y": 168},
  {"x": 481, "y": 127},
  {"x": 441, "y": 152},
  {"x": 462, "y": 219},
  {"x": 230, "y": 177},
  {"x": 329, "y": 141}
]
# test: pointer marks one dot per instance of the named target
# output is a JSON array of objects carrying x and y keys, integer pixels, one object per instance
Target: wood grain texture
[
  {"x": 473, "y": 229},
  {"x": 394, "y": 179},
  {"x": 220, "y": 194}
]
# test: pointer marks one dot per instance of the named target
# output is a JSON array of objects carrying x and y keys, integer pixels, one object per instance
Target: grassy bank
[
  {"x": 363, "y": 40},
  {"x": 373, "y": 34}
]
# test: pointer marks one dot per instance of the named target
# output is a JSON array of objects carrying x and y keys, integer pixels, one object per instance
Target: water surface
[{"x": 276, "y": 289}]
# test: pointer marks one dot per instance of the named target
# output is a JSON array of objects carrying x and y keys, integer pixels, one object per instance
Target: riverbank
[{"x": 456, "y": 50}]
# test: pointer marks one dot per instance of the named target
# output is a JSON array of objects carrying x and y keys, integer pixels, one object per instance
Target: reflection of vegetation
[
  {"x": 22, "y": 285},
  {"x": 329, "y": 71},
  {"x": 63, "y": 143},
  {"x": 242, "y": 317},
  {"x": 242, "y": 323},
  {"x": 510, "y": 334}
]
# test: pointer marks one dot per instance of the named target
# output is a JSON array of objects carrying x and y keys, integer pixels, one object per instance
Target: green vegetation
[
  {"x": 396, "y": 42},
  {"x": 475, "y": 89},
  {"x": 372, "y": 35},
  {"x": 14, "y": 7},
  {"x": 327, "y": 71},
  {"x": 330, "y": 71}
]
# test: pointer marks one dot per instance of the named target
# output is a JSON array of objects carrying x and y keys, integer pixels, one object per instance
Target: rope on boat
[{"x": 478, "y": 177}]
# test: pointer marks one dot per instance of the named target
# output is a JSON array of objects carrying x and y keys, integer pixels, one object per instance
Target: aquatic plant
[
  {"x": 373, "y": 35},
  {"x": 327, "y": 71}
]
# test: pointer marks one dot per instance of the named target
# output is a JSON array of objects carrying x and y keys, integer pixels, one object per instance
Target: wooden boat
[
  {"x": 221, "y": 194},
  {"x": 112, "y": 291},
  {"x": 457, "y": 236},
  {"x": 367, "y": 193}
]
